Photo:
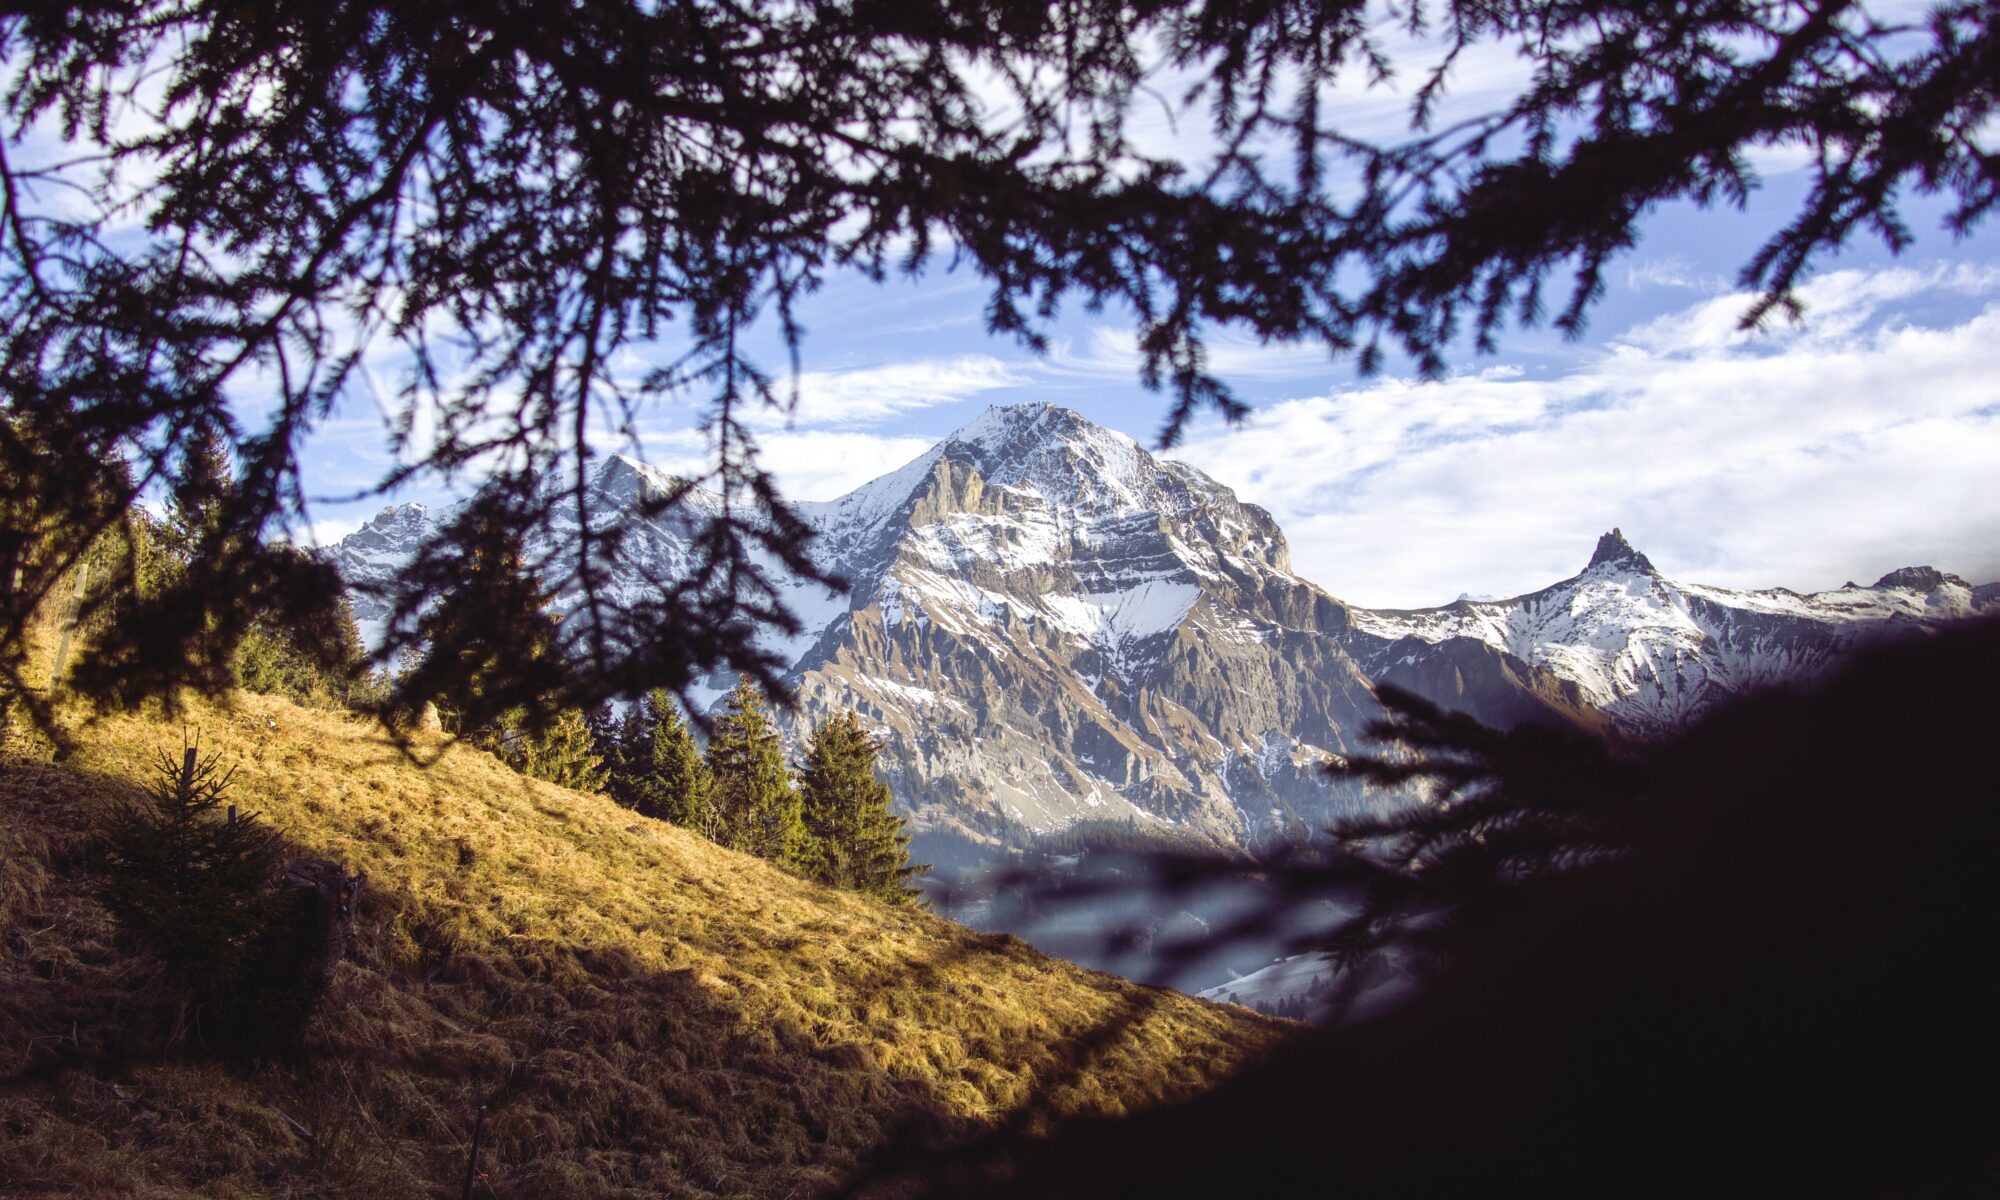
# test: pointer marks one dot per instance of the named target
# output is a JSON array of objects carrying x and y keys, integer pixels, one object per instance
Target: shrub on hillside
[
  {"x": 189, "y": 884},
  {"x": 203, "y": 891}
]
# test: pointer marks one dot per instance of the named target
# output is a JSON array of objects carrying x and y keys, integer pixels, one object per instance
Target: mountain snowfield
[
  {"x": 1047, "y": 625},
  {"x": 1652, "y": 654}
]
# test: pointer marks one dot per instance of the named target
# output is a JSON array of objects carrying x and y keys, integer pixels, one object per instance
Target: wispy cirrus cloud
[
  {"x": 1854, "y": 442},
  {"x": 1674, "y": 271},
  {"x": 1113, "y": 354},
  {"x": 864, "y": 396},
  {"x": 809, "y": 464}
]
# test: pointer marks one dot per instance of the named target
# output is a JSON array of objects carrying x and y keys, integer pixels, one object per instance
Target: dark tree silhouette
[
  {"x": 1495, "y": 811},
  {"x": 1754, "y": 958},
  {"x": 490, "y": 657},
  {"x": 318, "y": 659},
  {"x": 206, "y": 200}
]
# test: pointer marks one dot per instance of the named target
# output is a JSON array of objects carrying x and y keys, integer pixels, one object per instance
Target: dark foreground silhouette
[{"x": 1763, "y": 958}]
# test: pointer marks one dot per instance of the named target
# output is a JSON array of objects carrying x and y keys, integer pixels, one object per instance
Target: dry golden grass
[{"x": 642, "y": 1012}]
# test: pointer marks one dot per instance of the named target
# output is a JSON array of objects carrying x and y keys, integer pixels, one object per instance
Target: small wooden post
[
  {"x": 472, "y": 1160},
  {"x": 69, "y": 623},
  {"x": 187, "y": 772}
]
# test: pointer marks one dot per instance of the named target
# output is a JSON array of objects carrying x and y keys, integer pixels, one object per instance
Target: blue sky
[{"x": 1860, "y": 439}]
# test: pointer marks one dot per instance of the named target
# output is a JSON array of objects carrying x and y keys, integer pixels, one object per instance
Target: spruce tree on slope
[
  {"x": 308, "y": 653},
  {"x": 564, "y": 754},
  {"x": 625, "y": 741},
  {"x": 855, "y": 841},
  {"x": 756, "y": 808},
  {"x": 195, "y": 501},
  {"x": 191, "y": 886},
  {"x": 660, "y": 769},
  {"x": 492, "y": 667}
]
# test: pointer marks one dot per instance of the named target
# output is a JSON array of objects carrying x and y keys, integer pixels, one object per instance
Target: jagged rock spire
[{"x": 1614, "y": 550}]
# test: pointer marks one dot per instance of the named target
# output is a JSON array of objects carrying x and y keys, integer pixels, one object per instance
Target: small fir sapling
[{"x": 189, "y": 882}]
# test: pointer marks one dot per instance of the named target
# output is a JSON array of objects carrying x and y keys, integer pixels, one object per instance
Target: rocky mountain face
[
  {"x": 1049, "y": 626},
  {"x": 1648, "y": 653},
  {"x": 655, "y": 545}
]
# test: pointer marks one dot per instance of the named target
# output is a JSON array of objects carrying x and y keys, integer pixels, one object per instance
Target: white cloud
[
  {"x": 1853, "y": 443},
  {"x": 870, "y": 395},
  {"x": 1674, "y": 271},
  {"x": 1112, "y": 353},
  {"x": 809, "y": 464},
  {"x": 823, "y": 464},
  {"x": 1835, "y": 306}
]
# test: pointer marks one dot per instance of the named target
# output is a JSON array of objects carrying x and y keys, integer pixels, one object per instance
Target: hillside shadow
[
  {"x": 911, "y": 1161},
  {"x": 576, "y": 1053},
  {"x": 594, "y": 1071},
  {"x": 1186, "y": 920}
]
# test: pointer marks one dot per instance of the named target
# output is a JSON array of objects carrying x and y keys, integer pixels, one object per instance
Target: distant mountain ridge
[
  {"x": 1047, "y": 625},
  {"x": 1651, "y": 653}
]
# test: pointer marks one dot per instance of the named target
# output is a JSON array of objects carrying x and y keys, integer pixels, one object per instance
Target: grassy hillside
[{"x": 641, "y": 1012}]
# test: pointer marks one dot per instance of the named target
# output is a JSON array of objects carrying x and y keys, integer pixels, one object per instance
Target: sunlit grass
[{"x": 641, "y": 1011}]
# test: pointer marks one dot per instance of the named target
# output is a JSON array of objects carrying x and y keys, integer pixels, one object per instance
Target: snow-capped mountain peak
[
  {"x": 1653, "y": 653},
  {"x": 391, "y": 524},
  {"x": 622, "y": 474},
  {"x": 1022, "y": 586},
  {"x": 1046, "y": 625},
  {"x": 371, "y": 557}
]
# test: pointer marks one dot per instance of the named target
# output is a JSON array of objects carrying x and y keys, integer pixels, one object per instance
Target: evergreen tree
[
  {"x": 624, "y": 740},
  {"x": 756, "y": 808},
  {"x": 187, "y": 883},
  {"x": 854, "y": 841},
  {"x": 489, "y": 649},
  {"x": 656, "y": 766},
  {"x": 606, "y": 734},
  {"x": 672, "y": 782},
  {"x": 318, "y": 666},
  {"x": 200, "y": 490},
  {"x": 310, "y": 654},
  {"x": 195, "y": 529},
  {"x": 564, "y": 753},
  {"x": 491, "y": 664}
]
